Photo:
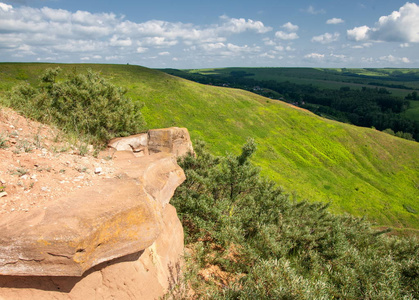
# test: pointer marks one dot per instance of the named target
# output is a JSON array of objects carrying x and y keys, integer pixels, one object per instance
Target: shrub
[
  {"x": 274, "y": 248},
  {"x": 84, "y": 105}
]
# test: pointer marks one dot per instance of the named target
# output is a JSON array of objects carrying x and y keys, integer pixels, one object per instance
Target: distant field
[
  {"x": 413, "y": 112},
  {"x": 329, "y": 78},
  {"x": 358, "y": 170}
]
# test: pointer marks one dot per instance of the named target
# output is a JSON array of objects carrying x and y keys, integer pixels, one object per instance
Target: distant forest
[{"x": 367, "y": 106}]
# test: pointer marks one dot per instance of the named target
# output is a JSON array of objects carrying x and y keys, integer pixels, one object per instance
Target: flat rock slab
[
  {"x": 173, "y": 140},
  {"x": 113, "y": 218}
]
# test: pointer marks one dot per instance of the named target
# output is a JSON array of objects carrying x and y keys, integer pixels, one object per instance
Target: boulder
[
  {"x": 173, "y": 140},
  {"x": 146, "y": 274},
  {"x": 112, "y": 218},
  {"x": 136, "y": 143}
]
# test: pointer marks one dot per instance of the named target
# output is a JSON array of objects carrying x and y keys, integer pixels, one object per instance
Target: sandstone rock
[
  {"x": 113, "y": 218},
  {"x": 135, "y": 143},
  {"x": 109, "y": 220},
  {"x": 158, "y": 173},
  {"x": 142, "y": 275},
  {"x": 172, "y": 140}
]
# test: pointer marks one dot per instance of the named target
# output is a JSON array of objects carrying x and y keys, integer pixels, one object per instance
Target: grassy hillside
[{"x": 358, "y": 170}]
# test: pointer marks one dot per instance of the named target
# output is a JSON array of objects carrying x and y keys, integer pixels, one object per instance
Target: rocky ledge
[{"x": 110, "y": 219}]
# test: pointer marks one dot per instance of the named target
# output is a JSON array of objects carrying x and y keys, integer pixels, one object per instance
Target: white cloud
[
  {"x": 399, "y": 26},
  {"x": 314, "y": 56},
  {"x": 311, "y": 10},
  {"x": 212, "y": 46},
  {"x": 358, "y": 33},
  {"x": 49, "y": 32},
  {"x": 404, "y": 45},
  {"x": 362, "y": 46},
  {"x": 5, "y": 7},
  {"x": 157, "y": 41},
  {"x": 164, "y": 53},
  {"x": 268, "y": 42},
  {"x": 290, "y": 27},
  {"x": 267, "y": 55},
  {"x": 115, "y": 41},
  {"x": 141, "y": 50},
  {"x": 286, "y": 36},
  {"x": 335, "y": 21},
  {"x": 326, "y": 38},
  {"x": 326, "y": 58},
  {"x": 240, "y": 25},
  {"x": 392, "y": 59}
]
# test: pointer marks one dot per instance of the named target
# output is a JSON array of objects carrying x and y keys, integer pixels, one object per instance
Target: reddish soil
[{"x": 37, "y": 165}]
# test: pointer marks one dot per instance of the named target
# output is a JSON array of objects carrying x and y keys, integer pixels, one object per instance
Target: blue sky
[{"x": 200, "y": 34}]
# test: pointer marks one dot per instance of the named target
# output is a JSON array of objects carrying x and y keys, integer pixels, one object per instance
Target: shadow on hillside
[{"x": 59, "y": 283}]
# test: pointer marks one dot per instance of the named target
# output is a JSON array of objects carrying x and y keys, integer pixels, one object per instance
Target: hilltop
[{"x": 358, "y": 170}]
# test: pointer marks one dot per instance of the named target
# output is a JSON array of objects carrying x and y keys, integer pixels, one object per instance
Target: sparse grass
[
  {"x": 3, "y": 142},
  {"x": 20, "y": 171},
  {"x": 25, "y": 145},
  {"x": 310, "y": 157}
]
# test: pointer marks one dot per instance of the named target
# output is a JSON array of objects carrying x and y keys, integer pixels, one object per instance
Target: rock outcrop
[
  {"x": 118, "y": 238},
  {"x": 173, "y": 140}
]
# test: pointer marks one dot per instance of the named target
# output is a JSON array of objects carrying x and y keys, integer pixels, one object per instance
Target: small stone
[
  {"x": 98, "y": 170},
  {"x": 24, "y": 177},
  {"x": 2, "y": 181},
  {"x": 3, "y": 194}
]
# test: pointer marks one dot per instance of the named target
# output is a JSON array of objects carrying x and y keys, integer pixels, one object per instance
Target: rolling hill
[{"x": 358, "y": 170}]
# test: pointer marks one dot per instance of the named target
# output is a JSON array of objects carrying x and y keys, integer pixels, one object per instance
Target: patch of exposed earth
[{"x": 38, "y": 166}]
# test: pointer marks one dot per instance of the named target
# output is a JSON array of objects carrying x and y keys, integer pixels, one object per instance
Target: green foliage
[
  {"x": 82, "y": 104},
  {"x": 245, "y": 225}
]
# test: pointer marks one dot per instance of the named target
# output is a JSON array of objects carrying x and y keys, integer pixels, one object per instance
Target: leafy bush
[
  {"x": 82, "y": 104},
  {"x": 274, "y": 248}
]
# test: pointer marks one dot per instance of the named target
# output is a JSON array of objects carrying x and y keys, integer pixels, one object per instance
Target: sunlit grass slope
[{"x": 358, "y": 170}]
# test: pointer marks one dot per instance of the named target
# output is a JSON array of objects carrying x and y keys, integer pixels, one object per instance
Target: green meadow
[{"x": 357, "y": 170}]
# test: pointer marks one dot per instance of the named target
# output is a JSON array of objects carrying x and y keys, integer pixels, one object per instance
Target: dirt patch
[{"x": 38, "y": 166}]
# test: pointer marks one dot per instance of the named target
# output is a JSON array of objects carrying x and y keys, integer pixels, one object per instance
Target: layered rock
[
  {"x": 173, "y": 140},
  {"x": 144, "y": 275},
  {"x": 119, "y": 231}
]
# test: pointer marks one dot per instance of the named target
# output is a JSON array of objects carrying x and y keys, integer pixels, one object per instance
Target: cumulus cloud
[
  {"x": 290, "y": 27},
  {"x": 358, "y": 33},
  {"x": 392, "y": 59},
  {"x": 312, "y": 11},
  {"x": 240, "y": 25},
  {"x": 399, "y": 26},
  {"x": 286, "y": 36},
  {"x": 335, "y": 21},
  {"x": 5, "y": 7},
  {"x": 48, "y": 32},
  {"x": 329, "y": 58},
  {"x": 326, "y": 38},
  {"x": 362, "y": 46},
  {"x": 314, "y": 56}
]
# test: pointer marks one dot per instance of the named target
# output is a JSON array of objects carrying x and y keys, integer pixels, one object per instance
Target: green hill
[{"x": 358, "y": 170}]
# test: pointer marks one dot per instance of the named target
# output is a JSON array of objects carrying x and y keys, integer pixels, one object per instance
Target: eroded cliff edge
[{"x": 118, "y": 238}]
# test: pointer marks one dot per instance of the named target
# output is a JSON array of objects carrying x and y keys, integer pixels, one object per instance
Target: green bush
[
  {"x": 275, "y": 248},
  {"x": 84, "y": 105}
]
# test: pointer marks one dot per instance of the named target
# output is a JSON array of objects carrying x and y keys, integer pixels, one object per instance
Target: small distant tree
[{"x": 82, "y": 104}]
